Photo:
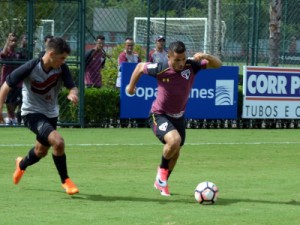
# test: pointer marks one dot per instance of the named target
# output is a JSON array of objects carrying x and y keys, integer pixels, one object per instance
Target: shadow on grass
[
  {"x": 224, "y": 201},
  {"x": 185, "y": 200},
  {"x": 174, "y": 199},
  {"x": 106, "y": 198}
]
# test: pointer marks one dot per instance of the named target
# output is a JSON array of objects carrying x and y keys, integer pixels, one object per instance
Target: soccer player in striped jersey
[{"x": 42, "y": 80}]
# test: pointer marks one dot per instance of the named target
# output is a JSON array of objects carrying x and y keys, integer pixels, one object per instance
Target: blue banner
[{"x": 214, "y": 94}]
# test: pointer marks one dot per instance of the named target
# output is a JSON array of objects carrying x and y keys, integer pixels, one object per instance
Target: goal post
[
  {"x": 192, "y": 31},
  {"x": 45, "y": 27}
]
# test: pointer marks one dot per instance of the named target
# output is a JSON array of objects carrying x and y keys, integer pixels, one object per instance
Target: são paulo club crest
[{"x": 186, "y": 74}]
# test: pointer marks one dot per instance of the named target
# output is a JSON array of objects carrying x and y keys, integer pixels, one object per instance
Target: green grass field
[{"x": 257, "y": 172}]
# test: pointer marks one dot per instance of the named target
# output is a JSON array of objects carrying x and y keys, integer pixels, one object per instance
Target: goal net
[{"x": 192, "y": 31}]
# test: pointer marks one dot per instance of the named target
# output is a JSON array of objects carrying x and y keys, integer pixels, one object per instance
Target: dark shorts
[
  {"x": 41, "y": 125},
  {"x": 14, "y": 96},
  {"x": 161, "y": 124}
]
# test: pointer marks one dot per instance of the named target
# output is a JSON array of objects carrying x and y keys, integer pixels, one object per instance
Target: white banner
[{"x": 271, "y": 92}]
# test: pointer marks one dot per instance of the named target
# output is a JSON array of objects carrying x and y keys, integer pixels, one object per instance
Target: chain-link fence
[
  {"x": 236, "y": 30},
  {"x": 241, "y": 38}
]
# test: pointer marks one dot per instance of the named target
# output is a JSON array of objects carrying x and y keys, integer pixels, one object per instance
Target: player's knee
[
  {"x": 58, "y": 144},
  {"x": 56, "y": 140},
  {"x": 174, "y": 142}
]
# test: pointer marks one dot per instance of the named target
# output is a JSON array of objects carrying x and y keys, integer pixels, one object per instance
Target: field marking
[{"x": 149, "y": 144}]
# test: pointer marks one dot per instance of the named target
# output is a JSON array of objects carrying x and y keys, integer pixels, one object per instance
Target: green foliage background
[{"x": 110, "y": 72}]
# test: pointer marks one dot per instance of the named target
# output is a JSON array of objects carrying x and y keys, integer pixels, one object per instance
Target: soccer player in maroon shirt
[{"x": 175, "y": 81}]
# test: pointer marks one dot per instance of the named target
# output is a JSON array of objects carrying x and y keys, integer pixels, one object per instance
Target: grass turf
[{"x": 257, "y": 172}]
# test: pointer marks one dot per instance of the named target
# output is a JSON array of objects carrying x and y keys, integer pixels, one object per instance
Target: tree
[{"x": 274, "y": 28}]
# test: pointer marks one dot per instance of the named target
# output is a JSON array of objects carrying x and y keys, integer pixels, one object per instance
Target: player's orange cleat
[
  {"x": 18, "y": 172},
  {"x": 164, "y": 191},
  {"x": 70, "y": 187}
]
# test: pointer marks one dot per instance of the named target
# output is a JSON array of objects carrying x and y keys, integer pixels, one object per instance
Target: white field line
[{"x": 149, "y": 144}]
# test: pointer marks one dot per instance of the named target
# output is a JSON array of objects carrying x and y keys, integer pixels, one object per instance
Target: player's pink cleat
[
  {"x": 164, "y": 191},
  {"x": 161, "y": 181},
  {"x": 162, "y": 177},
  {"x": 70, "y": 187},
  {"x": 18, "y": 172}
]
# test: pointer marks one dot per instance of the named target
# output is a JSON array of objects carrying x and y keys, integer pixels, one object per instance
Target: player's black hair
[
  {"x": 48, "y": 36},
  {"x": 59, "y": 45},
  {"x": 101, "y": 37},
  {"x": 177, "y": 46}
]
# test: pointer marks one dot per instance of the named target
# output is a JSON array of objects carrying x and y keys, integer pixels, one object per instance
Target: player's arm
[
  {"x": 137, "y": 73},
  {"x": 69, "y": 83},
  {"x": 4, "y": 51},
  {"x": 122, "y": 58},
  {"x": 212, "y": 61},
  {"x": 3, "y": 94},
  {"x": 150, "y": 56}
]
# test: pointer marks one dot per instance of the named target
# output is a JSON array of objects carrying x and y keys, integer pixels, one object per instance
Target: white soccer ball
[{"x": 206, "y": 193}]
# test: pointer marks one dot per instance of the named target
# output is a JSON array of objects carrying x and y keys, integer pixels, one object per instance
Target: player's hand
[
  {"x": 10, "y": 35},
  {"x": 73, "y": 98},
  {"x": 73, "y": 95},
  {"x": 201, "y": 57},
  {"x": 129, "y": 90}
]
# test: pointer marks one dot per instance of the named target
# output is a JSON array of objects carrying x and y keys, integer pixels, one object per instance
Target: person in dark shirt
[
  {"x": 94, "y": 62},
  {"x": 10, "y": 54}
]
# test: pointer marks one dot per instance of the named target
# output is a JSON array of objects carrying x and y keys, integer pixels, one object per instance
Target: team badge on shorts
[{"x": 163, "y": 127}]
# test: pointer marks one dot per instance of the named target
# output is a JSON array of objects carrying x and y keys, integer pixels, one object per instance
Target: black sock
[
  {"x": 30, "y": 159},
  {"x": 61, "y": 166},
  {"x": 164, "y": 163},
  {"x": 170, "y": 171}
]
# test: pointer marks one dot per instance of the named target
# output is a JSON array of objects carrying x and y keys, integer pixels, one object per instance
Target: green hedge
[
  {"x": 99, "y": 104},
  {"x": 101, "y": 109},
  {"x": 102, "y": 104}
]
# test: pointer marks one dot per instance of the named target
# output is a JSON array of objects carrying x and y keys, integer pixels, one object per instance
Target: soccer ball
[{"x": 206, "y": 193}]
